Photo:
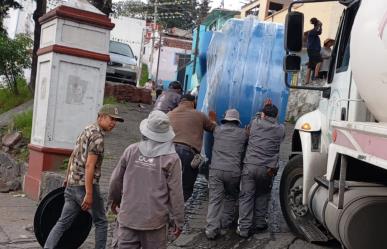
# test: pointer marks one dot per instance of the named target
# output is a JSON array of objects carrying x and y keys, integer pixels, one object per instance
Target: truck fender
[{"x": 314, "y": 162}]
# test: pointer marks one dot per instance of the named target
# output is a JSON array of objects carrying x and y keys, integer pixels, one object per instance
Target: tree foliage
[
  {"x": 104, "y": 6},
  {"x": 184, "y": 14},
  {"x": 4, "y": 8},
  {"x": 14, "y": 57}
]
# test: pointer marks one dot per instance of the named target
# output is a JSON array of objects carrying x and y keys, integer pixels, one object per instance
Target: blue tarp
[{"x": 244, "y": 67}]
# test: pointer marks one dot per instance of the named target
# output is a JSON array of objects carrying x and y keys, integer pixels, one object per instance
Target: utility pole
[
  {"x": 158, "y": 59},
  {"x": 154, "y": 33}
]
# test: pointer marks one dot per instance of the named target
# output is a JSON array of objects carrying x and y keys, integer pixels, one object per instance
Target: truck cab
[{"x": 334, "y": 183}]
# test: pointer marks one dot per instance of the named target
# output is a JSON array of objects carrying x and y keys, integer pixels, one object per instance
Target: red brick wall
[{"x": 128, "y": 93}]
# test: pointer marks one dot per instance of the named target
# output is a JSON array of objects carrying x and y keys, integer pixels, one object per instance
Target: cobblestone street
[{"x": 16, "y": 227}]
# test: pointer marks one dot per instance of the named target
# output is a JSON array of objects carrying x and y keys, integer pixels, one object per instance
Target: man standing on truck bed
[
  {"x": 314, "y": 49},
  {"x": 260, "y": 166}
]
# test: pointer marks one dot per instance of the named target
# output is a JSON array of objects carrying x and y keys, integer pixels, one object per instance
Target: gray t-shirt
[
  {"x": 265, "y": 139},
  {"x": 229, "y": 145},
  {"x": 168, "y": 101}
]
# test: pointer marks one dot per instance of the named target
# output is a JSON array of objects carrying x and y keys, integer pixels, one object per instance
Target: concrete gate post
[{"x": 73, "y": 54}]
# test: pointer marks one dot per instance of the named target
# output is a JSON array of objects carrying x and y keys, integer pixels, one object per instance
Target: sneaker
[
  {"x": 243, "y": 234},
  {"x": 211, "y": 235}
]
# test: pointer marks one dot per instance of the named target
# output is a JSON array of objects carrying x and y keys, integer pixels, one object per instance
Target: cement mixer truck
[{"x": 335, "y": 183}]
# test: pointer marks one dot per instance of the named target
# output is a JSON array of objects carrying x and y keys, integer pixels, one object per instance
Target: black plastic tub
[{"x": 47, "y": 215}]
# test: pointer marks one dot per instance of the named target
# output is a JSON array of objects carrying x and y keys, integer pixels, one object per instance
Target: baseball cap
[{"x": 112, "y": 111}]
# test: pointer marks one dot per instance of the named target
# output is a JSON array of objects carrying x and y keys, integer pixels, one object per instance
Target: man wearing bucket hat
[
  {"x": 260, "y": 165},
  {"x": 83, "y": 174},
  {"x": 225, "y": 171},
  {"x": 189, "y": 126},
  {"x": 146, "y": 186}
]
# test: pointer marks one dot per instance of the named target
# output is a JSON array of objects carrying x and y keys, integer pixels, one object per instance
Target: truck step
[{"x": 312, "y": 232}]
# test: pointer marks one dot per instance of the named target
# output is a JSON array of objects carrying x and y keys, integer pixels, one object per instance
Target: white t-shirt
[{"x": 326, "y": 56}]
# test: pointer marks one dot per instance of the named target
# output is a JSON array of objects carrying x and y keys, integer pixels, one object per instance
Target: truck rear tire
[{"x": 291, "y": 195}]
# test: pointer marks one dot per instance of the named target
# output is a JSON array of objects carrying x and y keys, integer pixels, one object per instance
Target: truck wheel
[{"x": 291, "y": 195}]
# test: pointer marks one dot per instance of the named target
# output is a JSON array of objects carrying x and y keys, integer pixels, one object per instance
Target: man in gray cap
[
  {"x": 81, "y": 181},
  {"x": 225, "y": 171},
  {"x": 260, "y": 165},
  {"x": 170, "y": 99},
  {"x": 146, "y": 185}
]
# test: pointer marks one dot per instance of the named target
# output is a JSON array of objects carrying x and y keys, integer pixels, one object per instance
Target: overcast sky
[{"x": 228, "y": 4}]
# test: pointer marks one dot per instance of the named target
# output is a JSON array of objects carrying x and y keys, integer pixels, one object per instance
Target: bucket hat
[
  {"x": 157, "y": 127},
  {"x": 231, "y": 115},
  {"x": 112, "y": 111}
]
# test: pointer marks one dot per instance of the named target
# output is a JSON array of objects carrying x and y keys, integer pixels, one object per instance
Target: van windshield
[{"x": 121, "y": 49}]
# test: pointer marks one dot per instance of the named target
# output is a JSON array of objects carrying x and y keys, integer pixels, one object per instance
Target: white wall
[
  {"x": 167, "y": 66},
  {"x": 20, "y": 20},
  {"x": 130, "y": 31}
]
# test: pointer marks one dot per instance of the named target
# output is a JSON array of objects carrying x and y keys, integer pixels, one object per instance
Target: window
[
  {"x": 120, "y": 48},
  {"x": 343, "y": 53}
]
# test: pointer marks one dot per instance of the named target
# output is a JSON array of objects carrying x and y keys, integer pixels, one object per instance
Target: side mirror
[
  {"x": 294, "y": 31},
  {"x": 135, "y": 57},
  {"x": 292, "y": 63}
]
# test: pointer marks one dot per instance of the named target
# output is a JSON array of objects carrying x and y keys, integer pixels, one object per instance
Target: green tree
[
  {"x": 104, "y": 6},
  {"x": 14, "y": 57},
  {"x": 4, "y": 8}
]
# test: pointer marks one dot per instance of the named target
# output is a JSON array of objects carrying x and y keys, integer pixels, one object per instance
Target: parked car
[{"x": 122, "y": 66}]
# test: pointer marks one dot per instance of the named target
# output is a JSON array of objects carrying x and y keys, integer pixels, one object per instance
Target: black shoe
[{"x": 261, "y": 228}]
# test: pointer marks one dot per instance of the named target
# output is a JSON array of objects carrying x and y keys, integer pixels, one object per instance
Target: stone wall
[
  {"x": 301, "y": 102},
  {"x": 128, "y": 93}
]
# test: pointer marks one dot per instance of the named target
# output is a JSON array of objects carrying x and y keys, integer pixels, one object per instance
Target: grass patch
[
  {"x": 110, "y": 100},
  {"x": 144, "y": 75},
  {"x": 22, "y": 122},
  {"x": 8, "y": 100}
]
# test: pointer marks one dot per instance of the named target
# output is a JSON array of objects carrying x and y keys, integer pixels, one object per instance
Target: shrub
[
  {"x": 8, "y": 100},
  {"x": 144, "y": 75},
  {"x": 22, "y": 122},
  {"x": 110, "y": 100}
]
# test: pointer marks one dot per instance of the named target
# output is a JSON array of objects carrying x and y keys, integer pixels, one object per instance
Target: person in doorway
[
  {"x": 260, "y": 165},
  {"x": 313, "y": 49},
  {"x": 159, "y": 89},
  {"x": 170, "y": 99},
  {"x": 326, "y": 52},
  {"x": 189, "y": 126},
  {"x": 146, "y": 186},
  {"x": 225, "y": 171},
  {"x": 83, "y": 174},
  {"x": 150, "y": 85}
]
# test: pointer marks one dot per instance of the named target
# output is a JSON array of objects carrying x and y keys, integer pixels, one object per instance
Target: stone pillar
[{"x": 73, "y": 54}]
